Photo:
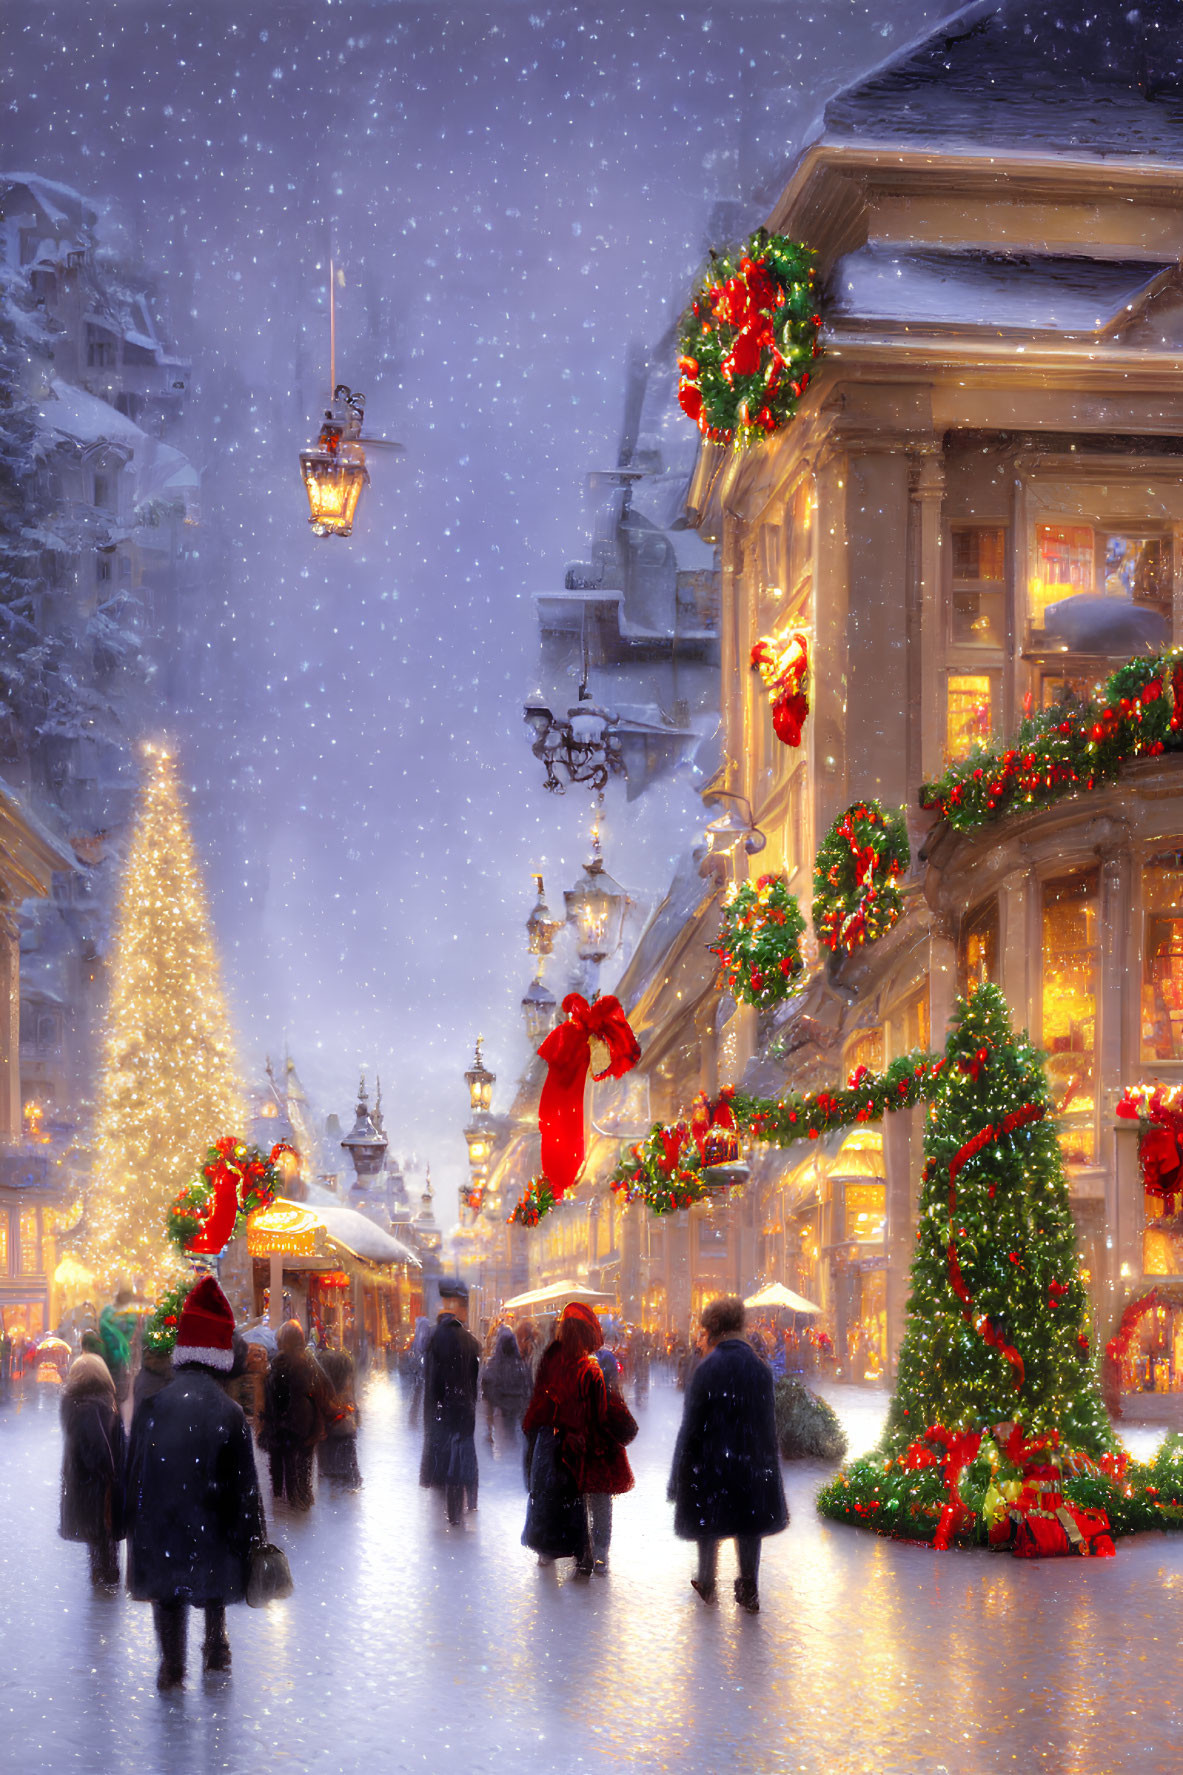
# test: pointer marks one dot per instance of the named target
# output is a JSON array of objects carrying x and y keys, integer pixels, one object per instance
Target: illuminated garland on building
[
  {"x": 748, "y": 339},
  {"x": 856, "y": 894},
  {"x": 536, "y": 1200},
  {"x": 160, "y": 1330},
  {"x": 760, "y": 941},
  {"x": 783, "y": 664},
  {"x": 1067, "y": 750}
]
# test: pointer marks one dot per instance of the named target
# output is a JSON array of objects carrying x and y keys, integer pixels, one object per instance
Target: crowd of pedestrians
[{"x": 182, "y": 1487}]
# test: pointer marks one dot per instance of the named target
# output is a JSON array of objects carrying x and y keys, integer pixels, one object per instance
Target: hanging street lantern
[
  {"x": 365, "y": 1144},
  {"x": 540, "y": 1012},
  {"x": 596, "y": 906},
  {"x": 542, "y": 926},
  {"x": 334, "y": 469}
]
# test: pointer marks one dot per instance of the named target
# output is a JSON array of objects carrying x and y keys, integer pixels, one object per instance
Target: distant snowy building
[{"x": 96, "y": 517}]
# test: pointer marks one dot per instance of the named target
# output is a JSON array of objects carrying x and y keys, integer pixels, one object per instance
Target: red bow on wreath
[
  {"x": 783, "y": 664},
  {"x": 595, "y": 1036}
]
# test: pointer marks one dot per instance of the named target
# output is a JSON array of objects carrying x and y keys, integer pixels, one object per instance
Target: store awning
[
  {"x": 557, "y": 1294},
  {"x": 304, "y": 1230},
  {"x": 777, "y": 1297}
]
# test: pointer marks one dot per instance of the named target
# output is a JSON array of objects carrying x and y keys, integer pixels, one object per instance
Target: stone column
[
  {"x": 877, "y": 515},
  {"x": 928, "y": 495},
  {"x": 10, "y": 1028},
  {"x": 942, "y": 976},
  {"x": 902, "y": 1136},
  {"x": 831, "y": 605},
  {"x": 1018, "y": 963}
]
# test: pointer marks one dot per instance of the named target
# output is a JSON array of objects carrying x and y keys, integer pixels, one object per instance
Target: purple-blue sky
[{"x": 514, "y": 193}]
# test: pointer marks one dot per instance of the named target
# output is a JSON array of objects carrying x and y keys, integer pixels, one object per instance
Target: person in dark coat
[
  {"x": 506, "y": 1383},
  {"x": 725, "y": 1481},
  {"x": 295, "y": 1412},
  {"x": 156, "y": 1372},
  {"x": 93, "y": 1454},
  {"x": 568, "y": 1453},
  {"x": 451, "y": 1369},
  {"x": 192, "y": 1493},
  {"x": 336, "y": 1456}
]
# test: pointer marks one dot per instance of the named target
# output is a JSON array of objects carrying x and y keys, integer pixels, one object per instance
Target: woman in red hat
[
  {"x": 192, "y": 1494},
  {"x": 571, "y": 1451}
]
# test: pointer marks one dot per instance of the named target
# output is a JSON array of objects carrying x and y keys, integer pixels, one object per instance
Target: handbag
[{"x": 269, "y": 1576}]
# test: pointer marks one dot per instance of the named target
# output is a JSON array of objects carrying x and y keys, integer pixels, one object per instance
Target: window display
[
  {"x": 1070, "y": 972},
  {"x": 969, "y": 716},
  {"x": 1162, "y": 957},
  {"x": 979, "y": 586},
  {"x": 979, "y": 946}
]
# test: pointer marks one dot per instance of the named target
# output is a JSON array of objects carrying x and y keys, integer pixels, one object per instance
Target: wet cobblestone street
[{"x": 410, "y": 1646}]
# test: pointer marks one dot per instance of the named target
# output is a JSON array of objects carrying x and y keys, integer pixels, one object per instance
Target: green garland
[
  {"x": 665, "y": 1170},
  {"x": 536, "y": 1200},
  {"x": 1067, "y": 749},
  {"x": 856, "y": 895},
  {"x": 760, "y": 941},
  {"x": 186, "y": 1216},
  {"x": 748, "y": 339},
  {"x": 160, "y": 1330}
]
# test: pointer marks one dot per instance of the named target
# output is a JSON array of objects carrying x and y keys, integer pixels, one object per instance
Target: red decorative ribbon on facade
[
  {"x": 1010, "y": 1124},
  {"x": 567, "y": 1052}
]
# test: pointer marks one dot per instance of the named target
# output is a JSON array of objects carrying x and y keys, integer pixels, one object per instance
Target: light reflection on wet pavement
[{"x": 409, "y": 1646}]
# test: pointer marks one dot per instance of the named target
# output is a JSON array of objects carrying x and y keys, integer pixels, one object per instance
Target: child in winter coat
[
  {"x": 92, "y": 1466},
  {"x": 619, "y": 1429}
]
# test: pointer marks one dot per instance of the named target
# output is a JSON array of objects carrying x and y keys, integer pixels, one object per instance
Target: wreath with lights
[
  {"x": 760, "y": 941},
  {"x": 748, "y": 339},
  {"x": 783, "y": 664},
  {"x": 691, "y": 1161},
  {"x": 234, "y": 1180},
  {"x": 856, "y": 888}
]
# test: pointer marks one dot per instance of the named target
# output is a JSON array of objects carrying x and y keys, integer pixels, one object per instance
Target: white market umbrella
[
  {"x": 777, "y": 1295},
  {"x": 558, "y": 1294}
]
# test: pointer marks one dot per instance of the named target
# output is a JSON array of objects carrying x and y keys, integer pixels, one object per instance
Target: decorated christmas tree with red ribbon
[{"x": 996, "y": 1430}]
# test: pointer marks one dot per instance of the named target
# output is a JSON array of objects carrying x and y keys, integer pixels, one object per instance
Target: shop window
[
  {"x": 979, "y": 586},
  {"x": 916, "y": 1022},
  {"x": 1063, "y": 566},
  {"x": 1070, "y": 971},
  {"x": 1057, "y": 688},
  {"x": 864, "y": 1049},
  {"x": 979, "y": 946},
  {"x": 1162, "y": 958},
  {"x": 30, "y": 1255},
  {"x": 969, "y": 712},
  {"x": 3, "y": 1242},
  {"x": 866, "y": 1212}
]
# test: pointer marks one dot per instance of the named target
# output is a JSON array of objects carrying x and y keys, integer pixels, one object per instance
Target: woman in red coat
[{"x": 572, "y": 1451}]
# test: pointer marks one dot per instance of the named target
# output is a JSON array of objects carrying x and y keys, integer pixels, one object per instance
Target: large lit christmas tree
[
  {"x": 169, "y": 1081},
  {"x": 996, "y": 1414}
]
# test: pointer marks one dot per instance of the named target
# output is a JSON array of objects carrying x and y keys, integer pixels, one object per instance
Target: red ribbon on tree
[
  {"x": 568, "y": 1052},
  {"x": 1010, "y": 1124}
]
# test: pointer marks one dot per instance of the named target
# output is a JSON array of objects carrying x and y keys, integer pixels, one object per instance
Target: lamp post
[
  {"x": 334, "y": 468},
  {"x": 583, "y": 744},
  {"x": 365, "y": 1144},
  {"x": 480, "y": 1132}
]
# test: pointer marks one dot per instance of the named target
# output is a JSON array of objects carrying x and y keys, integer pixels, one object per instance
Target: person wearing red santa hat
[{"x": 192, "y": 1492}]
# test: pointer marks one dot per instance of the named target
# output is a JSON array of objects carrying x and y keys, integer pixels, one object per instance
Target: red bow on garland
[
  {"x": 783, "y": 664},
  {"x": 595, "y": 1036}
]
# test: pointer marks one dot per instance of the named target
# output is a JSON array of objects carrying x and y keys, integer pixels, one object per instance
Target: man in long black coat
[
  {"x": 192, "y": 1492},
  {"x": 726, "y": 1481},
  {"x": 451, "y": 1369}
]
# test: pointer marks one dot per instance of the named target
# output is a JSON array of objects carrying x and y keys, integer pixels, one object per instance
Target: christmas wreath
[
  {"x": 783, "y": 663},
  {"x": 760, "y": 941},
  {"x": 856, "y": 878},
  {"x": 748, "y": 339},
  {"x": 233, "y": 1181}
]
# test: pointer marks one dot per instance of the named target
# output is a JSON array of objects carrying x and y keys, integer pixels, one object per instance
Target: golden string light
[{"x": 169, "y": 1081}]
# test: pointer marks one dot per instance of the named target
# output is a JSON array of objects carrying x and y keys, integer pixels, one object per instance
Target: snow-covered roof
[
  {"x": 1057, "y": 293},
  {"x": 65, "y": 207},
  {"x": 1082, "y": 77},
  {"x": 364, "y": 1237},
  {"x": 75, "y": 414}
]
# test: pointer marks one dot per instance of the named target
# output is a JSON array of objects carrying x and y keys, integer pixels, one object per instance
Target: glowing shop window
[
  {"x": 1056, "y": 688},
  {"x": 3, "y": 1242},
  {"x": 979, "y": 946},
  {"x": 917, "y": 1022},
  {"x": 1162, "y": 958},
  {"x": 30, "y": 1244},
  {"x": 865, "y": 1050},
  {"x": 1070, "y": 962},
  {"x": 1162, "y": 1240},
  {"x": 1063, "y": 565},
  {"x": 866, "y": 1211},
  {"x": 969, "y": 712},
  {"x": 977, "y": 612}
]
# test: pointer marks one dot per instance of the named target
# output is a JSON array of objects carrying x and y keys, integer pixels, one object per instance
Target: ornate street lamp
[
  {"x": 334, "y": 469},
  {"x": 596, "y": 906},
  {"x": 480, "y": 1080},
  {"x": 542, "y": 926},
  {"x": 540, "y": 1012},
  {"x": 583, "y": 744},
  {"x": 365, "y": 1144}
]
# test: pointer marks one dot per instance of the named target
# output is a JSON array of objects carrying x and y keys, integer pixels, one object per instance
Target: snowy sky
[{"x": 514, "y": 192}]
